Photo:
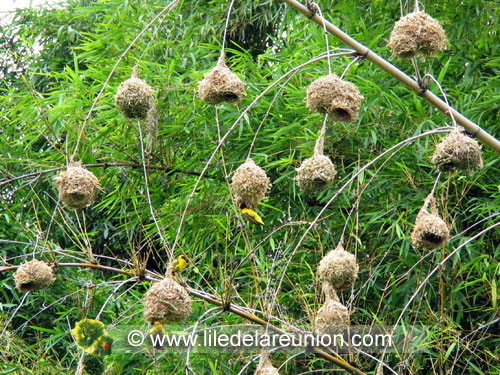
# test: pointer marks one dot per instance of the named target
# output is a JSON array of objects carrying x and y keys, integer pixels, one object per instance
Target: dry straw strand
[
  {"x": 457, "y": 151},
  {"x": 417, "y": 33},
  {"x": 338, "y": 268},
  {"x": 167, "y": 301},
  {"x": 429, "y": 231},
  {"x": 76, "y": 186},
  {"x": 134, "y": 97},
  {"x": 333, "y": 316},
  {"x": 221, "y": 85},
  {"x": 250, "y": 184},
  {"x": 34, "y": 275},
  {"x": 332, "y": 95}
]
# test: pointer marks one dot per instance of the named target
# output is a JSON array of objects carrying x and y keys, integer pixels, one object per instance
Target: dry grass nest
[
  {"x": 332, "y": 317},
  {"x": 417, "y": 34},
  {"x": 34, "y": 275},
  {"x": 134, "y": 98},
  {"x": 332, "y": 95},
  {"x": 265, "y": 367},
  {"x": 315, "y": 173},
  {"x": 457, "y": 151},
  {"x": 429, "y": 231},
  {"x": 221, "y": 85},
  {"x": 250, "y": 184},
  {"x": 167, "y": 301},
  {"x": 338, "y": 268},
  {"x": 77, "y": 186}
]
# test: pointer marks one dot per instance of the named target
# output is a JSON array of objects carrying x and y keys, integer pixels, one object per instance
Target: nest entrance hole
[
  {"x": 341, "y": 114},
  {"x": 432, "y": 237}
]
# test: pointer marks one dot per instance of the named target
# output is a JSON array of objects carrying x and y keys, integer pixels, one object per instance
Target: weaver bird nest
[
  {"x": 77, "y": 186},
  {"x": 338, "y": 268},
  {"x": 221, "y": 85},
  {"x": 134, "y": 98},
  {"x": 265, "y": 367},
  {"x": 429, "y": 231},
  {"x": 167, "y": 301},
  {"x": 417, "y": 33},
  {"x": 250, "y": 184},
  {"x": 457, "y": 151},
  {"x": 34, "y": 275},
  {"x": 332, "y": 95},
  {"x": 315, "y": 173},
  {"x": 332, "y": 317}
]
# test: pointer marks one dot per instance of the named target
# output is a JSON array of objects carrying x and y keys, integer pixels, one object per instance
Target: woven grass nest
[
  {"x": 265, "y": 367},
  {"x": 316, "y": 172},
  {"x": 457, "y": 151},
  {"x": 250, "y": 184},
  {"x": 332, "y": 95},
  {"x": 338, "y": 268},
  {"x": 221, "y": 85},
  {"x": 429, "y": 231},
  {"x": 34, "y": 275},
  {"x": 332, "y": 317},
  {"x": 134, "y": 97},
  {"x": 77, "y": 186},
  {"x": 417, "y": 33},
  {"x": 167, "y": 301}
]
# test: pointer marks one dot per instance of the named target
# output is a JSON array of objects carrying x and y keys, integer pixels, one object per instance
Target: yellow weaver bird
[
  {"x": 250, "y": 215},
  {"x": 157, "y": 332},
  {"x": 179, "y": 264}
]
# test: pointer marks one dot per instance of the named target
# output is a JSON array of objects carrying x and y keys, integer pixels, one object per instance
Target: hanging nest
[
  {"x": 167, "y": 301},
  {"x": 34, "y": 275},
  {"x": 134, "y": 97},
  {"x": 338, "y": 268},
  {"x": 332, "y": 317},
  {"x": 429, "y": 231},
  {"x": 318, "y": 171},
  {"x": 457, "y": 151},
  {"x": 332, "y": 95},
  {"x": 265, "y": 367},
  {"x": 250, "y": 184},
  {"x": 76, "y": 186},
  {"x": 221, "y": 85},
  {"x": 417, "y": 33}
]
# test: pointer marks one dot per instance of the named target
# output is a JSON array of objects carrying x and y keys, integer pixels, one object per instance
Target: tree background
[{"x": 54, "y": 63}]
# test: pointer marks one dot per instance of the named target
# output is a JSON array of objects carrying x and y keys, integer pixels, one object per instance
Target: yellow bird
[
  {"x": 157, "y": 332},
  {"x": 251, "y": 215},
  {"x": 179, "y": 263}
]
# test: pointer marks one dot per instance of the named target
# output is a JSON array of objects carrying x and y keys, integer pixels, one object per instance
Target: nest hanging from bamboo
[
  {"x": 134, "y": 97},
  {"x": 417, "y": 33},
  {"x": 332, "y": 95},
  {"x": 265, "y": 367},
  {"x": 221, "y": 85},
  {"x": 318, "y": 171},
  {"x": 338, "y": 268},
  {"x": 457, "y": 151},
  {"x": 76, "y": 186},
  {"x": 250, "y": 184},
  {"x": 333, "y": 316},
  {"x": 429, "y": 231},
  {"x": 167, "y": 301},
  {"x": 34, "y": 275}
]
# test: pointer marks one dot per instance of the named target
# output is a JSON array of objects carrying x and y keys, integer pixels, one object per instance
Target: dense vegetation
[{"x": 56, "y": 61}]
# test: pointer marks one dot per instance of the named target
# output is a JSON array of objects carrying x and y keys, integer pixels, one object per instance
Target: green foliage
[{"x": 58, "y": 60}]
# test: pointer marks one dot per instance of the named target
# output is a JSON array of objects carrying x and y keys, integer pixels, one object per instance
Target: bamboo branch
[{"x": 432, "y": 99}]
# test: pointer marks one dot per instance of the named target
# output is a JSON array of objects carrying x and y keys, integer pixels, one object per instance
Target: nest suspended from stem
[
  {"x": 338, "y": 268},
  {"x": 134, "y": 97},
  {"x": 332, "y": 95},
  {"x": 167, "y": 301},
  {"x": 250, "y": 184},
  {"x": 429, "y": 231},
  {"x": 265, "y": 367},
  {"x": 457, "y": 151},
  {"x": 76, "y": 186},
  {"x": 417, "y": 33},
  {"x": 34, "y": 275},
  {"x": 332, "y": 317},
  {"x": 221, "y": 85}
]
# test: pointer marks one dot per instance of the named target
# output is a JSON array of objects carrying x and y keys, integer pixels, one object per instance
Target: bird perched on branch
[
  {"x": 179, "y": 263},
  {"x": 250, "y": 215}
]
